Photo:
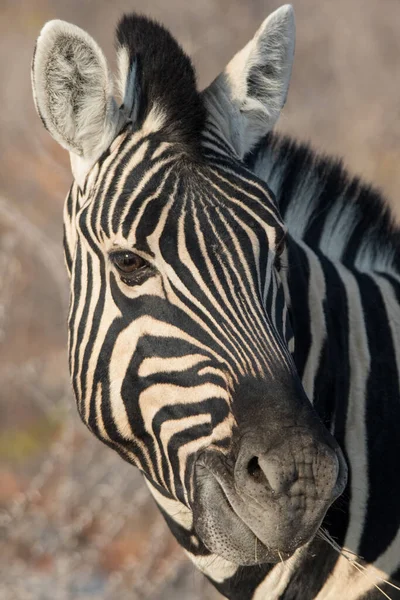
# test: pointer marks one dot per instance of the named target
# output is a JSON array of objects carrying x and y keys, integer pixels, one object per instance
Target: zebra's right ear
[
  {"x": 245, "y": 100},
  {"x": 72, "y": 90}
]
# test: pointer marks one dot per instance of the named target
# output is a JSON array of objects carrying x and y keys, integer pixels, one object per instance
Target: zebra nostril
[
  {"x": 254, "y": 470},
  {"x": 270, "y": 475}
]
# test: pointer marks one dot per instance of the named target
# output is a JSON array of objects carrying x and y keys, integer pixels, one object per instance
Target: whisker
[
  {"x": 213, "y": 558},
  {"x": 345, "y": 552},
  {"x": 363, "y": 567},
  {"x": 368, "y": 575}
]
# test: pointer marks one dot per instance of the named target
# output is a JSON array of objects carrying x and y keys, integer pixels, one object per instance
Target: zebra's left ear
[
  {"x": 245, "y": 100},
  {"x": 72, "y": 90}
]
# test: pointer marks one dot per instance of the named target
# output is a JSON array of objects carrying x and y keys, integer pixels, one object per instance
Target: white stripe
[
  {"x": 356, "y": 433},
  {"x": 316, "y": 297}
]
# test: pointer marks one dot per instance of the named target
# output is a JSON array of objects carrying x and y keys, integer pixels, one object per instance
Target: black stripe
[
  {"x": 382, "y": 422},
  {"x": 310, "y": 575},
  {"x": 299, "y": 280},
  {"x": 77, "y": 287},
  {"x": 242, "y": 584}
]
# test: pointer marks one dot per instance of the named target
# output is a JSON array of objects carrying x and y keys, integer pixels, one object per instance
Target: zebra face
[
  {"x": 179, "y": 325},
  {"x": 179, "y": 345},
  {"x": 175, "y": 299}
]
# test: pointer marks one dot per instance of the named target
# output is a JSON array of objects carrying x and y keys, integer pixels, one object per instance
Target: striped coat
[{"x": 234, "y": 326}]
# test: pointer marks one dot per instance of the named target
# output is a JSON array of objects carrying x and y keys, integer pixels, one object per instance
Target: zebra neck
[
  {"x": 318, "y": 309},
  {"x": 343, "y": 320},
  {"x": 319, "y": 314}
]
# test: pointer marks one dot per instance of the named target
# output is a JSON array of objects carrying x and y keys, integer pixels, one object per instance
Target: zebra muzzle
[{"x": 272, "y": 499}]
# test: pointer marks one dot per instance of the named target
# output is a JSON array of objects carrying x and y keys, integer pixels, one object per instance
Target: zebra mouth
[
  {"x": 225, "y": 532},
  {"x": 247, "y": 530},
  {"x": 261, "y": 553}
]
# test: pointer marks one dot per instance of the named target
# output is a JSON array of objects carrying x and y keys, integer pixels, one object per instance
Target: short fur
[
  {"x": 245, "y": 100},
  {"x": 164, "y": 79},
  {"x": 327, "y": 313},
  {"x": 361, "y": 230},
  {"x": 73, "y": 90}
]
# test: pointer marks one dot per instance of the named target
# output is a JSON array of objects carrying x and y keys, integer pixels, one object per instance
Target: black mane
[
  {"x": 326, "y": 207},
  {"x": 165, "y": 78}
]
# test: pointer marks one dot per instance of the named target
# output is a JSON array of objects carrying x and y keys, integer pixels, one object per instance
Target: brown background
[{"x": 75, "y": 521}]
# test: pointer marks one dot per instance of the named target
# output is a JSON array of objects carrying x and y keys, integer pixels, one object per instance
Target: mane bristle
[
  {"x": 158, "y": 76},
  {"x": 323, "y": 205}
]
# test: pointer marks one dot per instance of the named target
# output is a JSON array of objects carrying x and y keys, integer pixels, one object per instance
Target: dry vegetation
[{"x": 75, "y": 521}]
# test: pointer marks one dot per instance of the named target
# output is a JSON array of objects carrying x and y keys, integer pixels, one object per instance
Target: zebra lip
[
  {"x": 222, "y": 511},
  {"x": 264, "y": 553},
  {"x": 224, "y": 495}
]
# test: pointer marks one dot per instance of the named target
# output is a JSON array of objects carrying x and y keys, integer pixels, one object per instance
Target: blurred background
[{"x": 76, "y": 522}]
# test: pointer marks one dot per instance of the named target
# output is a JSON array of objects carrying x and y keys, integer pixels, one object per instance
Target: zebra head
[{"x": 179, "y": 327}]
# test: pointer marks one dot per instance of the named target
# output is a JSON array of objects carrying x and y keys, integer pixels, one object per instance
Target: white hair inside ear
[
  {"x": 246, "y": 99},
  {"x": 73, "y": 94}
]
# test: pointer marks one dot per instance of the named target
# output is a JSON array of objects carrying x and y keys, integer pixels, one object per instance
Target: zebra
[{"x": 234, "y": 322}]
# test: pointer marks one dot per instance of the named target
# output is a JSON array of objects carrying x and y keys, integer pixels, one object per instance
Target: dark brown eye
[{"x": 127, "y": 262}]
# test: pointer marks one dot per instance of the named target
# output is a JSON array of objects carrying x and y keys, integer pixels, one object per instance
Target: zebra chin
[{"x": 275, "y": 508}]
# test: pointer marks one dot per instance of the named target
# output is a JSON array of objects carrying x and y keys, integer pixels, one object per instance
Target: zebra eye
[{"x": 127, "y": 262}]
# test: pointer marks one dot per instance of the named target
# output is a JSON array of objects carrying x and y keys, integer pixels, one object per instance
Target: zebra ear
[
  {"x": 72, "y": 90},
  {"x": 245, "y": 100}
]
